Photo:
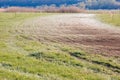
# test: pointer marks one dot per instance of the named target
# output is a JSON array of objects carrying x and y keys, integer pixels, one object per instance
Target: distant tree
[
  {"x": 102, "y": 4},
  {"x": 82, "y": 5}
]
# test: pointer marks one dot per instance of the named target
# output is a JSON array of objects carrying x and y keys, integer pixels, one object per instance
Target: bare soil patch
[{"x": 80, "y": 30}]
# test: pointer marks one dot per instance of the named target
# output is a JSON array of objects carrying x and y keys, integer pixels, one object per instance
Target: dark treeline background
[{"x": 86, "y": 4}]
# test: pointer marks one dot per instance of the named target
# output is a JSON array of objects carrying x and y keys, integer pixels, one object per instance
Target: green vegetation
[
  {"x": 22, "y": 58},
  {"x": 110, "y": 19}
]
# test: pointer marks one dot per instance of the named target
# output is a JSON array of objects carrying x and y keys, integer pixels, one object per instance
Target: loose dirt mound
[{"x": 80, "y": 30}]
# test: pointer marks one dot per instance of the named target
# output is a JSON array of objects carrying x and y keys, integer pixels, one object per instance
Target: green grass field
[
  {"x": 22, "y": 58},
  {"x": 107, "y": 18}
]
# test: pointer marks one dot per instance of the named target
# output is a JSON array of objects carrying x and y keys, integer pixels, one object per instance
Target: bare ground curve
[{"x": 80, "y": 30}]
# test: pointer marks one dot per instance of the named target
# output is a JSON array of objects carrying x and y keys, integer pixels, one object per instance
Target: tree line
[
  {"x": 102, "y": 4},
  {"x": 82, "y": 4}
]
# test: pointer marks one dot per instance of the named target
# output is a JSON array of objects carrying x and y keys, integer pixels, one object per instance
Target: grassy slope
[
  {"x": 22, "y": 58},
  {"x": 107, "y": 18}
]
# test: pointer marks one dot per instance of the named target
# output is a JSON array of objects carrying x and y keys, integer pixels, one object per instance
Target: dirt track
[{"x": 81, "y": 30}]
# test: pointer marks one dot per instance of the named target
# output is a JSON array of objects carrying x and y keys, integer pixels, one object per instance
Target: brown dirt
[{"x": 80, "y": 30}]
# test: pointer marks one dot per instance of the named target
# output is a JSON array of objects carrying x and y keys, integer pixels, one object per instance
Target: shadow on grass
[
  {"x": 82, "y": 56},
  {"x": 55, "y": 58}
]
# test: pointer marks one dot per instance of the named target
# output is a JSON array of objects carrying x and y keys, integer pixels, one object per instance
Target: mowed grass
[
  {"x": 23, "y": 58},
  {"x": 110, "y": 19}
]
